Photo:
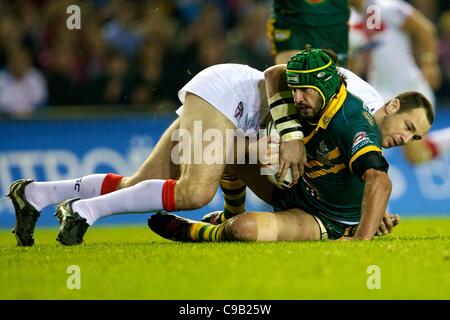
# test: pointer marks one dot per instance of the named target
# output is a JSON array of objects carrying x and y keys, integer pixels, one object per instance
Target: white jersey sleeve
[
  {"x": 394, "y": 12},
  {"x": 363, "y": 90}
]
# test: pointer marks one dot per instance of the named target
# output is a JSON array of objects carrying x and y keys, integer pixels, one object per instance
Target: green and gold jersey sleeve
[{"x": 360, "y": 137}]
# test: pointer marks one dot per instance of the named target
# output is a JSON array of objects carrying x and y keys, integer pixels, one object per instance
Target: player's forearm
[
  {"x": 281, "y": 103},
  {"x": 427, "y": 48},
  {"x": 425, "y": 37},
  {"x": 377, "y": 189},
  {"x": 275, "y": 78}
]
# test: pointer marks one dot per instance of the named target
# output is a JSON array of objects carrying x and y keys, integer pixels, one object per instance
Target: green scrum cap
[{"x": 313, "y": 68}]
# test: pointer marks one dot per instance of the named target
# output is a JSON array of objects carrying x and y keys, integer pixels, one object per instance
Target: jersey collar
[{"x": 335, "y": 104}]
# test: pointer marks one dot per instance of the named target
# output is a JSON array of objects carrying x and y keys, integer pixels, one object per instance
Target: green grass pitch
[{"x": 131, "y": 262}]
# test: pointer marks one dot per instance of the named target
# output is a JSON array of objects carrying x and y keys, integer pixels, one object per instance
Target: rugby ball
[
  {"x": 273, "y": 177},
  {"x": 285, "y": 184}
]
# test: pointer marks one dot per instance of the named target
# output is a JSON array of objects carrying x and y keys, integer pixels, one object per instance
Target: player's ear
[{"x": 393, "y": 106}]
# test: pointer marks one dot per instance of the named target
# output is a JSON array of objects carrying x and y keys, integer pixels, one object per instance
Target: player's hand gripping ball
[{"x": 274, "y": 178}]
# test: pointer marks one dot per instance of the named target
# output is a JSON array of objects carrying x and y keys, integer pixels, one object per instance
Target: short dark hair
[
  {"x": 332, "y": 55},
  {"x": 412, "y": 100}
]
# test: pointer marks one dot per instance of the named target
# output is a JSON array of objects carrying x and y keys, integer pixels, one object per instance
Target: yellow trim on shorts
[
  {"x": 270, "y": 28},
  {"x": 323, "y": 230}
]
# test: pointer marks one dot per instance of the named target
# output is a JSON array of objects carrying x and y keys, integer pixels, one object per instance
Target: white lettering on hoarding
[{"x": 58, "y": 164}]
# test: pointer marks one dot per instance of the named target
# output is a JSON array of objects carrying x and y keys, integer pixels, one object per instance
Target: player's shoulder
[
  {"x": 391, "y": 9},
  {"x": 363, "y": 90},
  {"x": 353, "y": 113},
  {"x": 352, "y": 106}
]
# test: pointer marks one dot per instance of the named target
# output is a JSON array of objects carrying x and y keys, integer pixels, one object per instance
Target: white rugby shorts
[{"x": 234, "y": 90}]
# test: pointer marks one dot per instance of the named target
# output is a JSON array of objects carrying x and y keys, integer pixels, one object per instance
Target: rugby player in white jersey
[{"x": 385, "y": 36}]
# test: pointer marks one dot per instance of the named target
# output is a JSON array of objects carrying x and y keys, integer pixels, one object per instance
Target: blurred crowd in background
[{"x": 139, "y": 52}]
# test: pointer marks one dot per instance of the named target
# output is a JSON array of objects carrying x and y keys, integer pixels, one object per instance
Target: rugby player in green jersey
[
  {"x": 293, "y": 26},
  {"x": 345, "y": 188},
  {"x": 319, "y": 23}
]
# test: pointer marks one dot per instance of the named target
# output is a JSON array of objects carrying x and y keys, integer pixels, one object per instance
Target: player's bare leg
[
  {"x": 196, "y": 186},
  {"x": 158, "y": 165},
  {"x": 247, "y": 175},
  {"x": 289, "y": 225},
  {"x": 233, "y": 183},
  {"x": 198, "y": 183}
]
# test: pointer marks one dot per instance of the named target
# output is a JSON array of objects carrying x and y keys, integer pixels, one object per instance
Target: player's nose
[
  {"x": 299, "y": 96},
  {"x": 406, "y": 138}
]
